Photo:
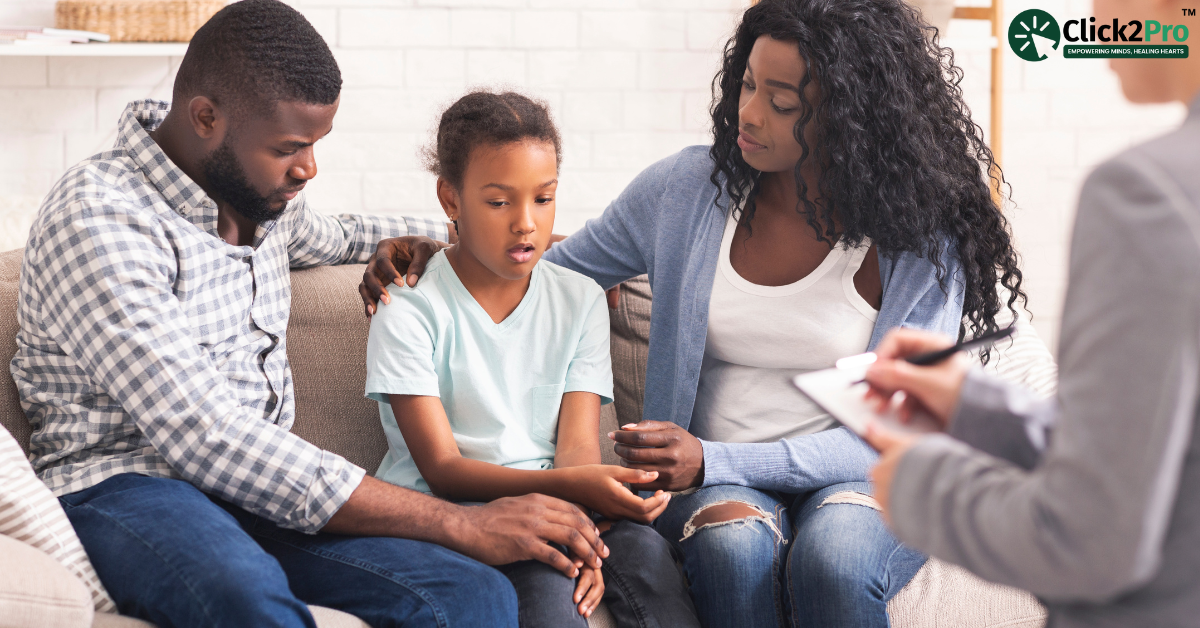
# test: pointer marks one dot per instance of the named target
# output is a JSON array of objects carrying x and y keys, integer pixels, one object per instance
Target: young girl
[{"x": 491, "y": 372}]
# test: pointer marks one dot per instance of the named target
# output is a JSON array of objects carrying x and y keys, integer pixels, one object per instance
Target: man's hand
[
  {"x": 934, "y": 388},
  {"x": 891, "y": 447},
  {"x": 393, "y": 257},
  {"x": 665, "y": 448},
  {"x": 520, "y": 528},
  {"x": 599, "y": 486}
]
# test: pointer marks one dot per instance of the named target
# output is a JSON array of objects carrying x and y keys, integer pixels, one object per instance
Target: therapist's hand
[
  {"x": 891, "y": 446},
  {"x": 932, "y": 388},
  {"x": 663, "y": 447}
]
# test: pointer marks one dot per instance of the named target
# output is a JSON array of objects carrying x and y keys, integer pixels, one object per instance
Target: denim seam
[
  {"x": 191, "y": 589},
  {"x": 887, "y": 573},
  {"x": 624, "y": 588},
  {"x": 368, "y": 567},
  {"x": 776, "y": 549}
]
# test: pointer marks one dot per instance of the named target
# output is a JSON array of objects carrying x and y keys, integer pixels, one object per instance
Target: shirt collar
[{"x": 181, "y": 193}]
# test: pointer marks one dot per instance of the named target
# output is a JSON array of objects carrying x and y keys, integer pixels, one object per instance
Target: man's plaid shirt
[{"x": 149, "y": 345}]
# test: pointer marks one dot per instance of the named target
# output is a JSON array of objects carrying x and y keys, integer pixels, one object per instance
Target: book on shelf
[{"x": 45, "y": 36}]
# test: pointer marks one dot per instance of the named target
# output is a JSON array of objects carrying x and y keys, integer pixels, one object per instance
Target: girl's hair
[
  {"x": 899, "y": 159},
  {"x": 487, "y": 118}
]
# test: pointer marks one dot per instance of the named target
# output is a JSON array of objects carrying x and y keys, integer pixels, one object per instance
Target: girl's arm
[
  {"x": 426, "y": 430},
  {"x": 578, "y": 430}
]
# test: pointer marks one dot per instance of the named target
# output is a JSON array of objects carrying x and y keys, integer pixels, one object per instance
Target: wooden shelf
[{"x": 121, "y": 49}]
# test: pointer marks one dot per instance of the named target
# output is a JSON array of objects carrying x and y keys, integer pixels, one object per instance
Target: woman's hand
[
  {"x": 599, "y": 487},
  {"x": 932, "y": 388},
  {"x": 407, "y": 253},
  {"x": 589, "y": 588},
  {"x": 664, "y": 448},
  {"x": 891, "y": 446}
]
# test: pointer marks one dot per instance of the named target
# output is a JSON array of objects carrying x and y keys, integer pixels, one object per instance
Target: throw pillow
[{"x": 30, "y": 513}]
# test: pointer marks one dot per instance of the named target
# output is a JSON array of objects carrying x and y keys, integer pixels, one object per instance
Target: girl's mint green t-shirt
[{"x": 501, "y": 384}]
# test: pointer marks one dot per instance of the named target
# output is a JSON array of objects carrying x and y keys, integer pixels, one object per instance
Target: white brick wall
[
  {"x": 1061, "y": 118},
  {"x": 628, "y": 81}
]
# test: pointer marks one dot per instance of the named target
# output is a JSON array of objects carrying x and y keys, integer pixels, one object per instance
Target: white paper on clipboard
[{"x": 837, "y": 392}]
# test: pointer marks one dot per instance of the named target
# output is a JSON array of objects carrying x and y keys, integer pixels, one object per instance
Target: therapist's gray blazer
[{"x": 1091, "y": 500}]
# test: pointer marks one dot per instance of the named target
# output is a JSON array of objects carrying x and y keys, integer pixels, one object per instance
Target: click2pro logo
[{"x": 1033, "y": 34}]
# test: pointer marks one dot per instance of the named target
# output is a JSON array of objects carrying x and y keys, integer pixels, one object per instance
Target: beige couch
[{"x": 327, "y": 344}]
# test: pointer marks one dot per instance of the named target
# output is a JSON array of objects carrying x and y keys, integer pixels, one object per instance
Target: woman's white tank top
[{"x": 760, "y": 337}]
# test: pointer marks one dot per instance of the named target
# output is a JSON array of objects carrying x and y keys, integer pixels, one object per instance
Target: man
[
  {"x": 152, "y": 364},
  {"x": 1087, "y": 500}
]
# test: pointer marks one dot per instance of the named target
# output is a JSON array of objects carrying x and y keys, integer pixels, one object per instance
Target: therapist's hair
[
  {"x": 485, "y": 118},
  {"x": 899, "y": 159},
  {"x": 254, "y": 53}
]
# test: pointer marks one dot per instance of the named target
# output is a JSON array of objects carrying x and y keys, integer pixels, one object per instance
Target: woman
[
  {"x": 1087, "y": 500},
  {"x": 844, "y": 195}
]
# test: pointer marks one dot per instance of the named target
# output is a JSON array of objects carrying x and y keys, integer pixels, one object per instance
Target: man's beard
[{"x": 228, "y": 183}]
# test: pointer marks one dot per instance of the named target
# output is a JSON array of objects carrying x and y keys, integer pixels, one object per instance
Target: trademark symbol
[{"x": 1189, "y": 12}]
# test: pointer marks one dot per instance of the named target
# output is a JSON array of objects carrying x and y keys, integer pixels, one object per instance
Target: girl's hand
[
  {"x": 598, "y": 486},
  {"x": 589, "y": 588}
]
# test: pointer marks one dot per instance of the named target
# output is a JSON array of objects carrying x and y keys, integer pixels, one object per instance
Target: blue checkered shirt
[{"x": 149, "y": 345}]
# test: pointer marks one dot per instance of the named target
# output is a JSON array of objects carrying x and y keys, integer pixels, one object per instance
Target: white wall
[
  {"x": 1062, "y": 117},
  {"x": 628, "y": 81}
]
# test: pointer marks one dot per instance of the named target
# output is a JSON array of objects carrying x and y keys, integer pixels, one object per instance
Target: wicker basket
[{"x": 137, "y": 20}]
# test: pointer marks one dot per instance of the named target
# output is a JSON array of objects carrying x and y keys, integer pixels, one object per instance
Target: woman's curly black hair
[{"x": 898, "y": 157}]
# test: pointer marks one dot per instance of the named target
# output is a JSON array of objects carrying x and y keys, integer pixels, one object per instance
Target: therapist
[{"x": 1091, "y": 501}]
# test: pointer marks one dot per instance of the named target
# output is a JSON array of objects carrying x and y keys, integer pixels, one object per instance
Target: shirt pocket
[{"x": 544, "y": 405}]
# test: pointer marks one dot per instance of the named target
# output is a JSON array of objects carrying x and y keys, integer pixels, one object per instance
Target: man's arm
[
  {"x": 318, "y": 239},
  {"x": 503, "y": 531},
  {"x": 107, "y": 299}
]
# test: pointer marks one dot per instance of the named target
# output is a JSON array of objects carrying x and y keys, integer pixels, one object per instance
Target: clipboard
[{"x": 841, "y": 392}]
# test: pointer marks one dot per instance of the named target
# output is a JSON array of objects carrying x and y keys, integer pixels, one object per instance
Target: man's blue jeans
[
  {"x": 174, "y": 556},
  {"x": 805, "y": 562}
]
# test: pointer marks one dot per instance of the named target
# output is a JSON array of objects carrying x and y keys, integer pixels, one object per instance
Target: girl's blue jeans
[{"x": 822, "y": 559}]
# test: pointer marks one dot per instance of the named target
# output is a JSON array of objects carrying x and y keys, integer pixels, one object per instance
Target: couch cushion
[
  {"x": 37, "y": 592},
  {"x": 942, "y": 594},
  {"x": 327, "y": 348},
  {"x": 11, "y": 415}
]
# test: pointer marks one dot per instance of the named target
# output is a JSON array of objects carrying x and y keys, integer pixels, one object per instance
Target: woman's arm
[
  {"x": 795, "y": 465},
  {"x": 426, "y": 429}
]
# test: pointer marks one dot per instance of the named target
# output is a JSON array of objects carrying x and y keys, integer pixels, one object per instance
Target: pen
[{"x": 932, "y": 357}]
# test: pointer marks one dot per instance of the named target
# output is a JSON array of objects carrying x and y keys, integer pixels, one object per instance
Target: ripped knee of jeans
[
  {"x": 850, "y": 497},
  {"x": 729, "y": 513}
]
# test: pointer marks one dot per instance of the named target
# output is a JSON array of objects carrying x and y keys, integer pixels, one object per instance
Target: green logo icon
[{"x": 1033, "y": 34}]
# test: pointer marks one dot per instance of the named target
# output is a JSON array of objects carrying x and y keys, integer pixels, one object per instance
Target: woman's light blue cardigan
[{"x": 667, "y": 224}]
